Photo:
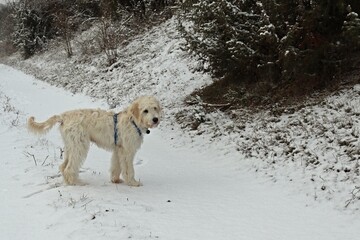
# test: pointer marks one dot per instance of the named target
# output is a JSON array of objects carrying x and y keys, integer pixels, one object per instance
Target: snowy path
[{"x": 188, "y": 193}]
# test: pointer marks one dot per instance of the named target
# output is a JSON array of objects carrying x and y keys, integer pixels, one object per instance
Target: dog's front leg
[
  {"x": 115, "y": 169},
  {"x": 128, "y": 172}
]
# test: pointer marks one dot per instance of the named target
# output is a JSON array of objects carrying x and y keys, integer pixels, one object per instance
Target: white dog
[{"x": 122, "y": 133}]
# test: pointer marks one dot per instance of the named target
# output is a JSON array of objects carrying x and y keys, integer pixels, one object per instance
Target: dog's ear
[{"x": 135, "y": 111}]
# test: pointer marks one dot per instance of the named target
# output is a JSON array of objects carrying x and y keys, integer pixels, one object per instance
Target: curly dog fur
[{"x": 81, "y": 127}]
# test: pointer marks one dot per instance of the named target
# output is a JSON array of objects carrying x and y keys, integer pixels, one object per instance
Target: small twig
[
  {"x": 44, "y": 160},
  {"x": 31, "y": 155},
  {"x": 85, "y": 204},
  {"x": 61, "y": 153},
  {"x": 354, "y": 197},
  {"x": 53, "y": 176},
  {"x": 216, "y": 105},
  {"x": 42, "y": 190}
]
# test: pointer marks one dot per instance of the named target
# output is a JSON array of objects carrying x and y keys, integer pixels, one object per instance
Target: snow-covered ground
[
  {"x": 189, "y": 192},
  {"x": 315, "y": 149},
  {"x": 255, "y": 176}
]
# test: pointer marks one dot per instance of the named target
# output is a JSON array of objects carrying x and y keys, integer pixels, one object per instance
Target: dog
[{"x": 122, "y": 133}]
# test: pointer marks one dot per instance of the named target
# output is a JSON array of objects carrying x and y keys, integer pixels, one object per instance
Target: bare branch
[{"x": 27, "y": 154}]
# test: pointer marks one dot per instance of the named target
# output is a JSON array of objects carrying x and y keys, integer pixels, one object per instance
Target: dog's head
[{"x": 146, "y": 111}]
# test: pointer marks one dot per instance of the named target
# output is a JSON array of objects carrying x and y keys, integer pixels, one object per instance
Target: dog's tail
[{"x": 43, "y": 127}]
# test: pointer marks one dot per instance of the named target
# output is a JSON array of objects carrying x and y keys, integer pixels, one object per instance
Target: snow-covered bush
[
  {"x": 301, "y": 45},
  {"x": 351, "y": 29},
  {"x": 33, "y": 26},
  {"x": 6, "y": 29},
  {"x": 235, "y": 36}
]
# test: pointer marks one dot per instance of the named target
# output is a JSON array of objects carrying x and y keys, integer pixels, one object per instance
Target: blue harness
[
  {"x": 116, "y": 130},
  {"x": 137, "y": 128}
]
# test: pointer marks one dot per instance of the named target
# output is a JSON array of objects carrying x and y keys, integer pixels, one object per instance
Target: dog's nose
[{"x": 155, "y": 119}]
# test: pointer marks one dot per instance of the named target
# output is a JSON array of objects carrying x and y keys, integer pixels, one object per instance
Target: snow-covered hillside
[
  {"x": 152, "y": 63},
  {"x": 314, "y": 150},
  {"x": 192, "y": 190}
]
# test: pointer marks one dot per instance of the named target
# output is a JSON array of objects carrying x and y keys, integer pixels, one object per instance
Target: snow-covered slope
[
  {"x": 189, "y": 192},
  {"x": 152, "y": 63},
  {"x": 315, "y": 150}
]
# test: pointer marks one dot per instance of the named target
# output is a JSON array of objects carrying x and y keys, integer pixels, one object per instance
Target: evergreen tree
[
  {"x": 235, "y": 36},
  {"x": 351, "y": 30},
  {"x": 282, "y": 13},
  {"x": 313, "y": 48}
]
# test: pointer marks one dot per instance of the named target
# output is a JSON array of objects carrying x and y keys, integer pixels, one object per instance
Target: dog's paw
[
  {"x": 134, "y": 183},
  {"x": 76, "y": 183},
  {"x": 81, "y": 183},
  {"x": 116, "y": 180}
]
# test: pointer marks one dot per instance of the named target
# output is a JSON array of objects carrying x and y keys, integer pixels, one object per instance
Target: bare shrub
[
  {"x": 108, "y": 39},
  {"x": 7, "y": 107}
]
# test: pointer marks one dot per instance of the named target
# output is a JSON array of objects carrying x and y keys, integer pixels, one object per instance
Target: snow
[
  {"x": 189, "y": 192},
  {"x": 252, "y": 176},
  {"x": 149, "y": 64}
]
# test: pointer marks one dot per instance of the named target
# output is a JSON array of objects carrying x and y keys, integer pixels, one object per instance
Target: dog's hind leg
[
  {"x": 115, "y": 169},
  {"x": 69, "y": 170},
  {"x": 77, "y": 145}
]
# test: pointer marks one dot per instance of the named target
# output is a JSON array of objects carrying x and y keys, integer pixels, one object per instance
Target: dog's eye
[
  {"x": 146, "y": 111},
  {"x": 155, "y": 108}
]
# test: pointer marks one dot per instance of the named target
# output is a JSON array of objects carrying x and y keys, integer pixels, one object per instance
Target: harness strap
[
  {"x": 137, "y": 128},
  {"x": 115, "y": 128}
]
